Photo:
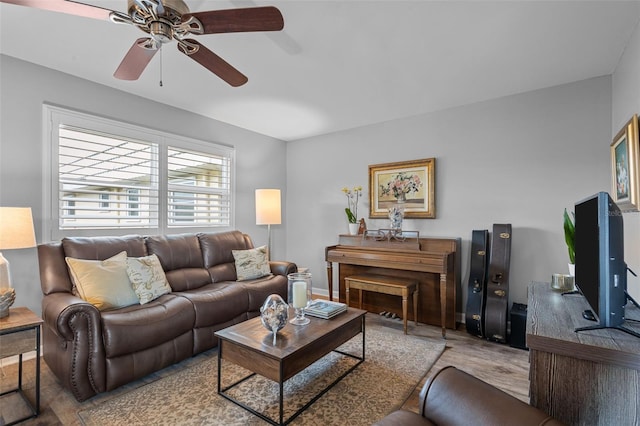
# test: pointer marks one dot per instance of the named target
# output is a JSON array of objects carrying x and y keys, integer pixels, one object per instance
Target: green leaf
[
  {"x": 350, "y": 216},
  {"x": 570, "y": 236}
]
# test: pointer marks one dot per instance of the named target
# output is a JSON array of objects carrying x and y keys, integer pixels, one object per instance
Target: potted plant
[
  {"x": 353, "y": 196},
  {"x": 570, "y": 239}
]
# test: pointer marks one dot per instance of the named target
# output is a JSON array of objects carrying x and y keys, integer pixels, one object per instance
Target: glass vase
[
  {"x": 274, "y": 314},
  {"x": 299, "y": 290}
]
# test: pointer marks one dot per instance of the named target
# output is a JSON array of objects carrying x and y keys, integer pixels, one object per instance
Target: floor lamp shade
[
  {"x": 268, "y": 207},
  {"x": 268, "y": 211}
]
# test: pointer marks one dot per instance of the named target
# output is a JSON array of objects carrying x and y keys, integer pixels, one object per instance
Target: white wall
[
  {"x": 520, "y": 159},
  {"x": 24, "y": 87},
  {"x": 626, "y": 102}
]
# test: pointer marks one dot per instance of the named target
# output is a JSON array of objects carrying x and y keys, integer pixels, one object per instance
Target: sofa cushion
[
  {"x": 217, "y": 303},
  {"x": 176, "y": 251},
  {"x": 252, "y": 263},
  {"x": 147, "y": 278},
  {"x": 181, "y": 260},
  {"x": 100, "y": 248},
  {"x": 258, "y": 290},
  {"x": 139, "y": 327},
  {"x": 103, "y": 283},
  {"x": 216, "y": 247}
]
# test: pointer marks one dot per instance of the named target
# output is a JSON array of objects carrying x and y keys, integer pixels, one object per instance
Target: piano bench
[{"x": 387, "y": 285}]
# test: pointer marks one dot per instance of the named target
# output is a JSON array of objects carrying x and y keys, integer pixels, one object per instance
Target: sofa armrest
[
  {"x": 279, "y": 267},
  {"x": 454, "y": 397},
  {"x": 58, "y": 310},
  {"x": 73, "y": 346}
]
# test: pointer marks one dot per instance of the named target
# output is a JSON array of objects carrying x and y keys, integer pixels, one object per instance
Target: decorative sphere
[{"x": 274, "y": 313}]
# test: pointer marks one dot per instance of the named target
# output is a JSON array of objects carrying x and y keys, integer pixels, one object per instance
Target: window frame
[{"x": 54, "y": 116}]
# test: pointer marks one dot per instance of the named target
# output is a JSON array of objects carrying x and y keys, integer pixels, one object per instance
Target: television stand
[
  {"x": 588, "y": 315},
  {"x": 602, "y": 327},
  {"x": 580, "y": 378}
]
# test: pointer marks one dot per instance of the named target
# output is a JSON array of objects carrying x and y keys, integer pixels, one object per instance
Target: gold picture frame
[
  {"x": 625, "y": 186},
  {"x": 411, "y": 183}
]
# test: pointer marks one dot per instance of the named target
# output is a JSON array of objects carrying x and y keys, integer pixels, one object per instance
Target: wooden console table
[
  {"x": 433, "y": 262},
  {"x": 585, "y": 378}
]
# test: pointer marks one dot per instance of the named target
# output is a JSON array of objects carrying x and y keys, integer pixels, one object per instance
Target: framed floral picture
[
  {"x": 409, "y": 183},
  {"x": 625, "y": 185}
]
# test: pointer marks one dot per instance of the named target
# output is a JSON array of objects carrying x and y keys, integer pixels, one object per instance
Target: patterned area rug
[{"x": 394, "y": 365}]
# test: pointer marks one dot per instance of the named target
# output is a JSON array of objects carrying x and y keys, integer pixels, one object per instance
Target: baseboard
[
  {"x": 10, "y": 360},
  {"x": 324, "y": 293}
]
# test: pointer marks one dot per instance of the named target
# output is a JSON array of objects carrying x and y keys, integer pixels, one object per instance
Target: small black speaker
[{"x": 517, "y": 338}]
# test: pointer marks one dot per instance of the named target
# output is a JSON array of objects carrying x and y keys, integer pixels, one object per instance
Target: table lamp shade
[
  {"x": 16, "y": 232},
  {"x": 16, "y": 228},
  {"x": 268, "y": 207}
]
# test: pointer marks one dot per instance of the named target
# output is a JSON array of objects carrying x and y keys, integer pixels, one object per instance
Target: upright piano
[{"x": 433, "y": 262}]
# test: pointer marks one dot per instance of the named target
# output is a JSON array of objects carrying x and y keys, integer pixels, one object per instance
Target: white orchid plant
[{"x": 353, "y": 196}]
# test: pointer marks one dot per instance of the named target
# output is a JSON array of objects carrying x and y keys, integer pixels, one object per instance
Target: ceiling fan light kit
[{"x": 168, "y": 20}]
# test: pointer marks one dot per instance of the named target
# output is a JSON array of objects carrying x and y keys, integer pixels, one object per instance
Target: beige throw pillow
[
  {"x": 147, "y": 278},
  {"x": 103, "y": 283},
  {"x": 251, "y": 264}
]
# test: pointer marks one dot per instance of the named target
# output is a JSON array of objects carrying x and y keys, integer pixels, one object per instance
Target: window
[
  {"x": 197, "y": 188},
  {"x": 94, "y": 167},
  {"x": 105, "y": 197},
  {"x": 133, "y": 198},
  {"x": 108, "y": 175},
  {"x": 70, "y": 203}
]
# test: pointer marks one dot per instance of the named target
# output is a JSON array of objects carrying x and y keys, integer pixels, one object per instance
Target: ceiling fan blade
[
  {"x": 136, "y": 59},
  {"x": 266, "y": 18},
  {"x": 212, "y": 62},
  {"x": 65, "y": 6}
]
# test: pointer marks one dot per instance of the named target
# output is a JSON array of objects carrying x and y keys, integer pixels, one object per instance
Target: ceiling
[{"x": 344, "y": 64}]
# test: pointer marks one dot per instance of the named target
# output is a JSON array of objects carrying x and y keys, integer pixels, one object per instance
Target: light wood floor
[{"x": 500, "y": 365}]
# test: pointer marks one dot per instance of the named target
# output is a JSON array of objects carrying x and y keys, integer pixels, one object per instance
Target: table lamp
[
  {"x": 268, "y": 211},
  {"x": 16, "y": 232}
]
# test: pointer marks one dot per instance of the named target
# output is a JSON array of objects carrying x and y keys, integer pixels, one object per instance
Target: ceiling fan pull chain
[{"x": 160, "y": 49}]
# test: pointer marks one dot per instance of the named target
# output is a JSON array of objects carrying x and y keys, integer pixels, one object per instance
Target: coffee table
[{"x": 250, "y": 346}]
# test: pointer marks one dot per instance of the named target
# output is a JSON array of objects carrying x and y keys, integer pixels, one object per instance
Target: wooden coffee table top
[
  {"x": 250, "y": 345},
  {"x": 253, "y": 335}
]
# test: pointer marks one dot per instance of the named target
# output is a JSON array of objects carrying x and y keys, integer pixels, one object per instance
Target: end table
[{"x": 19, "y": 334}]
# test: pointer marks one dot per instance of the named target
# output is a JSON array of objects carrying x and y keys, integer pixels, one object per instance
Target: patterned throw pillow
[
  {"x": 251, "y": 264},
  {"x": 147, "y": 278},
  {"x": 103, "y": 283}
]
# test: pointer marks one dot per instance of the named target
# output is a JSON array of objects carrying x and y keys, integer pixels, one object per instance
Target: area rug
[{"x": 395, "y": 363}]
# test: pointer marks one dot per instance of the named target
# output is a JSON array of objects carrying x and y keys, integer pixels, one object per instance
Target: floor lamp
[{"x": 268, "y": 211}]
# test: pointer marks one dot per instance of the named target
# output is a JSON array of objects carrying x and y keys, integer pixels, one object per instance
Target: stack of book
[{"x": 325, "y": 309}]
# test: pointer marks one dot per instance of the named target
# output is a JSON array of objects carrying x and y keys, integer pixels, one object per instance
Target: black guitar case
[
  {"x": 497, "y": 297},
  {"x": 477, "y": 282}
]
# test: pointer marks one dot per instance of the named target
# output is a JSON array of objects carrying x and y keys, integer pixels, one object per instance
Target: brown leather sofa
[
  {"x": 452, "y": 397},
  {"x": 92, "y": 351}
]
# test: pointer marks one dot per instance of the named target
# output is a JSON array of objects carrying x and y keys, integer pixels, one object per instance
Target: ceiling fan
[{"x": 167, "y": 20}]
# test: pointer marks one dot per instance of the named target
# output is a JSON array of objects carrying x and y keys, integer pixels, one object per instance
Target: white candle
[{"x": 299, "y": 289}]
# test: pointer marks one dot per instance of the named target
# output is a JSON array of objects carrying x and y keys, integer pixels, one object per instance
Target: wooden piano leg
[
  {"x": 330, "y": 279},
  {"x": 443, "y": 303}
]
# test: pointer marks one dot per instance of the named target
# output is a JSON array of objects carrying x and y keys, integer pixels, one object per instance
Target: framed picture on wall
[
  {"x": 625, "y": 186},
  {"x": 410, "y": 183}
]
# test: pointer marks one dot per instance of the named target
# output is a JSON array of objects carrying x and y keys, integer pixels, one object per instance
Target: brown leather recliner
[{"x": 452, "y": 397}]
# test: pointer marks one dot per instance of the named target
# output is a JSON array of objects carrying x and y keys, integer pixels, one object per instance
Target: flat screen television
[{"x": 601, "y": 272}]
